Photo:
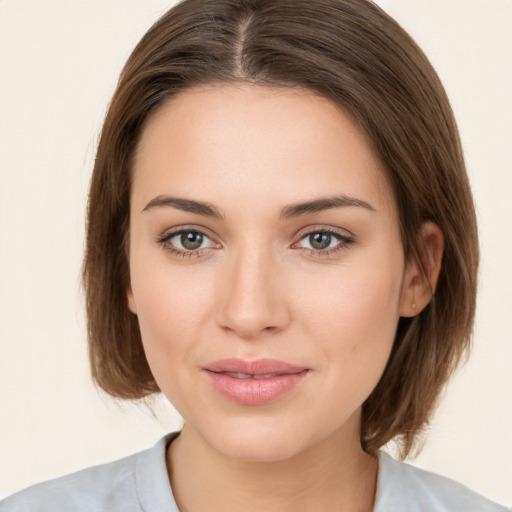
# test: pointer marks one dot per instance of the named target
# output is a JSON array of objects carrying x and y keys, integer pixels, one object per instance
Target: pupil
[
  {"x": 320, "y": 240},
  {"x": 191, "y": 240}
]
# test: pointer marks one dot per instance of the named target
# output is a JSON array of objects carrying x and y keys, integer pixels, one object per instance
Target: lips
[{"x": 254, "y": 382}]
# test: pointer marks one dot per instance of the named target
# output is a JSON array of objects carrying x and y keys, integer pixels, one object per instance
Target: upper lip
[{"x": 256, "y": 367}]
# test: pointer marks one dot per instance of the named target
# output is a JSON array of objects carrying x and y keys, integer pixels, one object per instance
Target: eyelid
[
  {"x": 315, "y": 228},
  {"x": 169, "y": 233}
]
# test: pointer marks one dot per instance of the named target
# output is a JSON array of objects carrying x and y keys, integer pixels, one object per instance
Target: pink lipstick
[{"x": 254, "y": 382}]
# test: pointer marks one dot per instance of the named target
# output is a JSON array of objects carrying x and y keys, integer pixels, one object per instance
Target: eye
[
  {"x": 323, "y": 241},
  {"x": 186, "y": 242}
]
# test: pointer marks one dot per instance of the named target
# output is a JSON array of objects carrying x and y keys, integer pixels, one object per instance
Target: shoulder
[
  {"x": 118, "y": 486},
  {"x": 405, "y": 488},
  {"x": 86, "y": 490}
]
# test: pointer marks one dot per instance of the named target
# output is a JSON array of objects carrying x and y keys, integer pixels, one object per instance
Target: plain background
[{"x": 59, "y": 62}]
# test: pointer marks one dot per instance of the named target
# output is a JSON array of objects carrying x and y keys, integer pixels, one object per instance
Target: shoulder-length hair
[{"x": 354, "y": 54}]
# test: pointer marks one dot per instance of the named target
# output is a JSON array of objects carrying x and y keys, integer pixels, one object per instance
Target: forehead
[{"x": 275, "y": 144}]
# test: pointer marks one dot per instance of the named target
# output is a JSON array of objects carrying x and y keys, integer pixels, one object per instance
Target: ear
[
  {"x": 420, "y": 278},
  {"x": 130, "y": 300}
]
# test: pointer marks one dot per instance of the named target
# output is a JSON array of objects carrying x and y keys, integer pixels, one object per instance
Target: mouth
[
  {"x": 239, "y": 375},
  {"x": 254, "y": 382}
]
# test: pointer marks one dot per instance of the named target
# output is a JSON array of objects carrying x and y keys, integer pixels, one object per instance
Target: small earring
[{"x": 413, "y": 300}]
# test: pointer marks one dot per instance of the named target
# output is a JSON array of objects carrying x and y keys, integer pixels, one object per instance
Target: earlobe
[
  {"x": 420, "y": 277},
  {"x": 130, "y": 300}
]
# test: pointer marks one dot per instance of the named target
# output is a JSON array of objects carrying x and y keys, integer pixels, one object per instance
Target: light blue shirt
[{"x": 139, "y": 483}]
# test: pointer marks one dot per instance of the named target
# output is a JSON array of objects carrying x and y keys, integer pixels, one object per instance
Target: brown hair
[{"x": 353, "y": 53}]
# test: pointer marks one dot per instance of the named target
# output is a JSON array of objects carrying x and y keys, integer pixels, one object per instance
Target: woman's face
[{"x": 266, "y": 267}]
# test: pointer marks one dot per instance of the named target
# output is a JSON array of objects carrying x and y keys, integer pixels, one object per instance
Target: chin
[{"x": 254, "y": 441}]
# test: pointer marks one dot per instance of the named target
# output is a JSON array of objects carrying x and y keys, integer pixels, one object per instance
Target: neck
[{"x": 333, "y": 475}]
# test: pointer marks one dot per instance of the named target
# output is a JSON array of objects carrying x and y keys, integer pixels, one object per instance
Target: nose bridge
[{"x": 252, "y": 298}]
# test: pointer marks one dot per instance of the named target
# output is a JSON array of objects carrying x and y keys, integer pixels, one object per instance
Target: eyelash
[{"x": 343, "y": 242}]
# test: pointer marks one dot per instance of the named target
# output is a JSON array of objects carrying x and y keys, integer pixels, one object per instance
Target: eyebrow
[
  {"x": 290, "y": 211},
  {"x": 186, "y": 205},
  {"x": 321, "y": 204}
]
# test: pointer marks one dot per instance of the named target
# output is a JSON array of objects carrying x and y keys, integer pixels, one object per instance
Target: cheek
[
  {"x": 172, "y": 308},
  {"x": 354, "y": 321},
  {"x": 351, "y": 304}
]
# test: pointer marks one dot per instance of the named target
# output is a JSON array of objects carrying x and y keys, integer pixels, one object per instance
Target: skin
[{"x": 258, "y": 288}]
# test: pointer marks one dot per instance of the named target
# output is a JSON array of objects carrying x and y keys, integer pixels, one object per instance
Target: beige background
[{"x": 59, "y": 62}]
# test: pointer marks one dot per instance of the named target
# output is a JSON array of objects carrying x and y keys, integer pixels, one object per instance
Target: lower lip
[{"x": 254, "y": 391}]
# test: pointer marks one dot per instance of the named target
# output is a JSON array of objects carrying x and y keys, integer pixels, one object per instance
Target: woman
[{"x": 281, "y": 238}]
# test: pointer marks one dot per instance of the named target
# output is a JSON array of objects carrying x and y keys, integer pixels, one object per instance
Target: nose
[{"x": 252, "y": 298}]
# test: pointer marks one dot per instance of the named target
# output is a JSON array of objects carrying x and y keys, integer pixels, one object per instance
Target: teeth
[{"x": 249, "y": 376}]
